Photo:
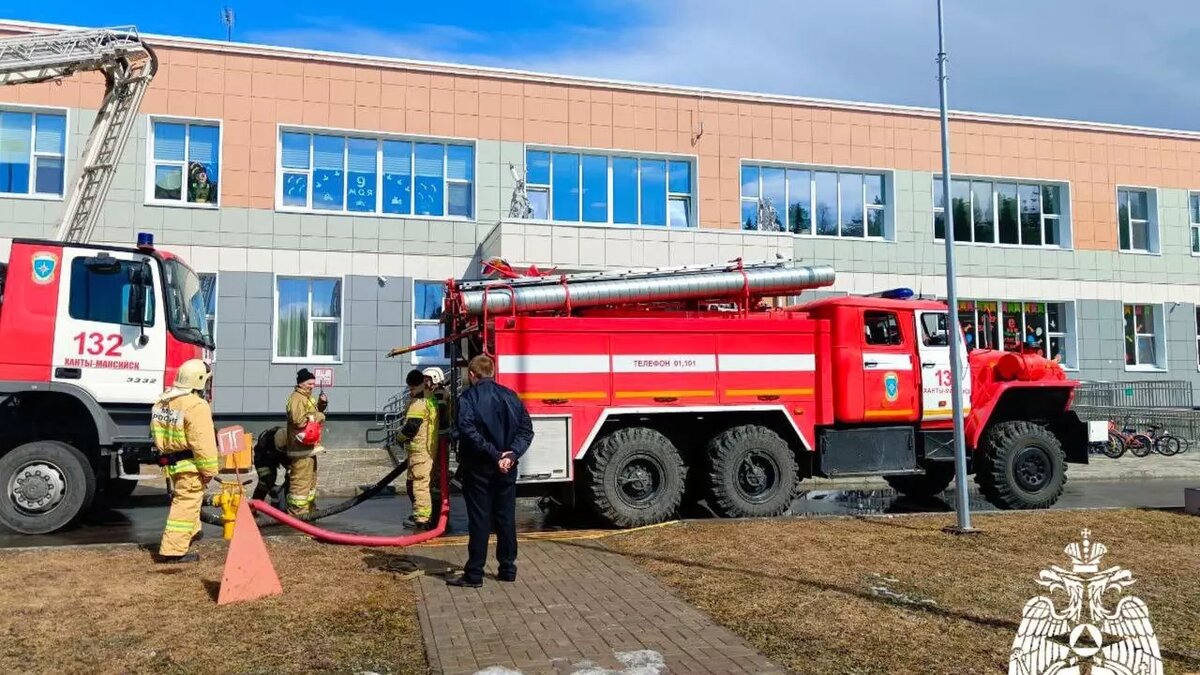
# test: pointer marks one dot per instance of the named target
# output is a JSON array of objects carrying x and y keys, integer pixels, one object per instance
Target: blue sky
[{"x": 1103, "y": 60}]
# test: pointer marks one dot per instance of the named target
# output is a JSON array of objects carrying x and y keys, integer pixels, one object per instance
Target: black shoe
[
  {"x": 510, "y": 577},
  {"x": 463, "y": 582},
  {"x": 189, "y": 557}
]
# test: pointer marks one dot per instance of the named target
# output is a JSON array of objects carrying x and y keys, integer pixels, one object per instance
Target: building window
[
  {"x": 427, "y": 321},
  {"x": 32, "y": 153},
  {"x": 1198, "y": 337},
  {"x": 1194, "y": 218},
  {"x": 1042, "y": 328},
  {"x": 573, "y": 187},
  {"x": 389, "y": 176},
  {"x": 208, "y": 288},
  {"x": 308, "y": 319},
  {"x": 1144, "y": 337},
  {"x": 185, "y": 162},
  {"x": 1136, "y": 225},
  {"x": 780, "y": 199},
  {"x": 993, "y": 212}
]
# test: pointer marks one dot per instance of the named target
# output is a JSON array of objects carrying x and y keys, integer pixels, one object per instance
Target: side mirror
[{"x": 141, "y": 284}]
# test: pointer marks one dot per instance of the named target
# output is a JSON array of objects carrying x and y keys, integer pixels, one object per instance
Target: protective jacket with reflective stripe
[
  {"x": 300, "y": 407},
  {"x": 183, "y": 424}
]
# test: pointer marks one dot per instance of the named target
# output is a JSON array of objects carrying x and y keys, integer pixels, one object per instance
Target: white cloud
[{"x": 1104, "y": 60}]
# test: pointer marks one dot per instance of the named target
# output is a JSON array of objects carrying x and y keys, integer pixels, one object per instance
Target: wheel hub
[
  {"x": 37, "y": 487},
  {"x": 640, "y": 481},
  {"x": 1032, "y": 468},
  {"x": 757, "y": 476}
]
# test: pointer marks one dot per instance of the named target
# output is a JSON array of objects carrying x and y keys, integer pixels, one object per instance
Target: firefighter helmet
[
  {"x": 435, "y": 376},
  {"x": 193, "y": 375}
]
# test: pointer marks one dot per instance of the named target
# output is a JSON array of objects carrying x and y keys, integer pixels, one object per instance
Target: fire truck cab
[
  {"x": 650, "y": 389},
  {"x": 89, "y": 337}
]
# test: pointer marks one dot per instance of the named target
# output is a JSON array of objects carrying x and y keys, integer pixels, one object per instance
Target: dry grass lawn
[
  {"x": 850, "y": 595},
  {"x": 110, "y": 610}
]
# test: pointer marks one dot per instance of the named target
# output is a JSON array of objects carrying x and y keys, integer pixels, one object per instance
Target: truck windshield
[{"x": 185, "y": 305}]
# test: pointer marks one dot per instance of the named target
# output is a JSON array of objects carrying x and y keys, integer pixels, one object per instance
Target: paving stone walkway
[{"x": 575, "y": 609}]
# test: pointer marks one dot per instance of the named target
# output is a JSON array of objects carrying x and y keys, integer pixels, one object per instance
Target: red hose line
[{"x": 331, "y": 537}]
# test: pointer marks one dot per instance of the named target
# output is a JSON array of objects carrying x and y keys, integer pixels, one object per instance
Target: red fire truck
[
  {"x": 89, "y": 337},
  {"x": 648, "y": 388}
]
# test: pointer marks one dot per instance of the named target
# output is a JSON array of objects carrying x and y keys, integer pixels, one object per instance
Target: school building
[{"x": 325, "y": 196}]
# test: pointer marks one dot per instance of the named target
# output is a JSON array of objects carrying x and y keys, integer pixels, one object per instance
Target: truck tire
[
  {"x": 47, "y": 485},
  {"x": 936, "y": 479},
  {"x": 752, "y": 473},
  {"x": 634, "y": 477},
  {"x": 1023, "y": 466}
]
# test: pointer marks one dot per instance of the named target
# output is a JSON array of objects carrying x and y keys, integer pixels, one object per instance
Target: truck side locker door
[
  {"x": 936, "y": 378},
  {"x": 889, "y": 380},
  {"x": 98, "y": 338}
]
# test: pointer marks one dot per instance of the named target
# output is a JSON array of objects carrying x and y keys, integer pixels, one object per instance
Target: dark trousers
[{"x": 491, "y": 501}]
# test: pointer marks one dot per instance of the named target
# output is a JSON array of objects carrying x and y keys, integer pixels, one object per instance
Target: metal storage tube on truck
[{"x": 676, "y": 286}]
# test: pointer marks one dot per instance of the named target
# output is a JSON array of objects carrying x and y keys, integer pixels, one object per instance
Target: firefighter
[
  {"x": 302, "y": 408},
  {"x": 435, "y": 390},
  {"x": 181, "y": 424},
  {"x": 420, "y": 435},
  {"x": 270, "y": 454}
]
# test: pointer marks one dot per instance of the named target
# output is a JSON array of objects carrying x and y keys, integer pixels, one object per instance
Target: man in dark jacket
[{"x": 494, "y": 431}]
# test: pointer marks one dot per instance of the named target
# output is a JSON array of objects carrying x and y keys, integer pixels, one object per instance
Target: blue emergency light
[
  {"x": 145, "y": 241},
  {"x": 897, "y": 294}
]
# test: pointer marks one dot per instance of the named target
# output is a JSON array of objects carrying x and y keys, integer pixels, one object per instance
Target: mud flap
[{"x": 1072, "y": 432}]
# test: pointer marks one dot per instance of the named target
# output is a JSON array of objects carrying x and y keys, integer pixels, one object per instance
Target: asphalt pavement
[{"x": 140, "y": 518}]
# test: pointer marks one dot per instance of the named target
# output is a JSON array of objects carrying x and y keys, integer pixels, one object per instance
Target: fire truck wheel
[
  {"x": 47, "y": 485},
  {"x": 1023, "y": 466},
  {"x": 752, "y": 473},
  {"x": 936, "y": 479},
  {"x": 635, "y": 477}
]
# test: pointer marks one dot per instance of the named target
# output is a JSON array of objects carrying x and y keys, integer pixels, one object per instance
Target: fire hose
[
  {"x": 214, "y": 519},
  {"x": 304, "y": 524}
]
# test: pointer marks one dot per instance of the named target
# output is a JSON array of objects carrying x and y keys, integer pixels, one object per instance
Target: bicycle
[
  {"x": 1127, "y": 438},
  {"x": 1163, "y": 443}
]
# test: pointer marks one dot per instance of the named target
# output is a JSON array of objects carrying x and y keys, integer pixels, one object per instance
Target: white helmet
[
  {"x": 192, "y": 374},
  {"x": 435, "y": 376}
]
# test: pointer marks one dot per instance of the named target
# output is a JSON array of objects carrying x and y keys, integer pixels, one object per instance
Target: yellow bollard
[{"x": 229, "y": 500}]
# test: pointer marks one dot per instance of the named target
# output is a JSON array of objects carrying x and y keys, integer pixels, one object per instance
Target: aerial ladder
[{"x": 128, "y": 65}]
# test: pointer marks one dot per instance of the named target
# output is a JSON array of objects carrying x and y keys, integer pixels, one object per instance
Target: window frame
[
  {"x": 341, "y": 321},
  {"x": 1153, "y": 221},
  {"x": 417, "y": 359},
  {"x": 693, "y": 197},
  {"x": 379, "y": 137},
  {"x": 1159, "y": 336},
  {"x": 66, "y": 157},
  {"x": 888, "y": 177},
  {"x": 1068, "y": 330},
  {"x": 1193, "y": 220},
  {"x": 151, "y": 162},
  {"x": 1196, "y": 308},
  {"x": 1063, "y": 219}
]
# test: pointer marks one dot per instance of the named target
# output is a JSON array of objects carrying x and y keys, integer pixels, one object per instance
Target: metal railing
[
  {"x": 1182, "y": 422},
  {"x": 1149, "y": 394}
]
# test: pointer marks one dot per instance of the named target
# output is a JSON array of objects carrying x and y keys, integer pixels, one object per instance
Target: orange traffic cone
[{"x": 249, "y": 574}]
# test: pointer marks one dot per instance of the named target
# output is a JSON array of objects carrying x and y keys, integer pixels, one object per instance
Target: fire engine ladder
[{"x": 128, "y": 65}]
